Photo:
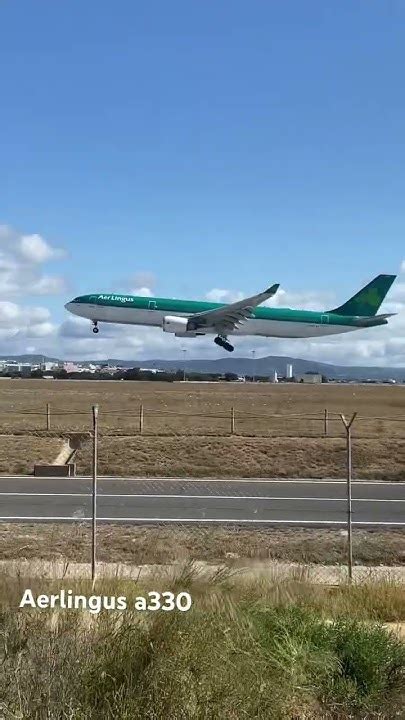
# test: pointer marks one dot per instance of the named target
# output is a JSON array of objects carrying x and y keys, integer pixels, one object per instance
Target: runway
[{"x": 163, "y": 500}]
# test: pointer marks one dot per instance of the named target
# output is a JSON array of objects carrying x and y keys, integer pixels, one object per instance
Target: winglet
[{"x": 272, "y": 290}]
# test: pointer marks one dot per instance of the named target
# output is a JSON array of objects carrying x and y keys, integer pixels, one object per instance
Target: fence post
[
  {"x": 94, "y": 496},
  {"x": 232, "y": 420},
  {"x": 325, "y": 422},
  {"x": 48, "y": 416},
  {"x": 141, "y": 419},
  {"x": 348, "y": 425}
]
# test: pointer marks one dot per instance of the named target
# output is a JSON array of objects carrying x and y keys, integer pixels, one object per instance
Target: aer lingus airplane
[{"x": 189, "y": 318}]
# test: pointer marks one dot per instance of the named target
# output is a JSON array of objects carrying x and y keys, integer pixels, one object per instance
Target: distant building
[
  {"x": 48, "y": 366},
  {"x": 151, "y": 370},
  {"x": 289, "y": 372},
  {"x": 12, "y": 368},
  {"x": 71, "y": 367},
  {"x": 274, "y": 376},
  {"x": 309, "y": 377}
]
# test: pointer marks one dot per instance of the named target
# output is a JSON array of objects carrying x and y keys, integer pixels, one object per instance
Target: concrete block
[{"x": 68, "y": 470}]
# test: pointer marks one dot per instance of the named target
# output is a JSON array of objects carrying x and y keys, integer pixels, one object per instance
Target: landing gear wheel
[
  {"x": 223, "y": 342},
  {"x": 95, "y": 328}
]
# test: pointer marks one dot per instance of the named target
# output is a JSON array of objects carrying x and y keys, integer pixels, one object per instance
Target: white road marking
[
  {"x": 204, "y": 520},
  {"x": 200, "y": 497},
  {"x": 308, "y": 481}
]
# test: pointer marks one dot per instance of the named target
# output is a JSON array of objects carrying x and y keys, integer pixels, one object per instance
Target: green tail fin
[{"x": 367, "y": 301}]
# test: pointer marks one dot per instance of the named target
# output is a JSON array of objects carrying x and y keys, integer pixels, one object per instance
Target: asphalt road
[{"x": 295, "y": 502}]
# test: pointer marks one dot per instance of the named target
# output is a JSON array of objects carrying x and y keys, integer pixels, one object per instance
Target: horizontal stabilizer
[{"x": 374, "y": 320}]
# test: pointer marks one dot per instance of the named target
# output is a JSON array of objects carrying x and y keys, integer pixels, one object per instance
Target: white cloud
[
  {"x": 21, "y": 260},
  {"x": 49, "y": 285},
  {"x": 40, "y": 330},
  {"x": 9, "y": 312},
  {"x": 35, "y": 249},
  {"x": 141, "y": 291},
  {"x": 225, "y": 296},
  {"x": 22, "y": 257},
  {"x": 310, "y": 300},
  {"x": 19, "y": 322},
  {"x": 37, "y": 314},
  {"x": 143, "y": 279}
]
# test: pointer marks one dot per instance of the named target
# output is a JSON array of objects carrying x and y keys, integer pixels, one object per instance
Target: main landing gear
[
  {"x": 95, "y": 327},
  {"x": 223, "y": 342}
]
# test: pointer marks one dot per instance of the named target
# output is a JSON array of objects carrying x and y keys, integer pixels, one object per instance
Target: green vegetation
[{"x": 287, "y": 651}]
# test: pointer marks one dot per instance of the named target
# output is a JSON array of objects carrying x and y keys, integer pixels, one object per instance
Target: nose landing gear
[
  {"x": 223, "y": 342},
  {"x": 95, "y": 327}
]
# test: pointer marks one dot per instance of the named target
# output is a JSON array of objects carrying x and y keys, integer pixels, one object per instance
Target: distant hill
[
  {"x": 29, "y": 358},
  {"x": 245, "y": 366}
]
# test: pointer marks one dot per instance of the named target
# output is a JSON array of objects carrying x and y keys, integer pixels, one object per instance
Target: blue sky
[{"x": 211, "y": 145}]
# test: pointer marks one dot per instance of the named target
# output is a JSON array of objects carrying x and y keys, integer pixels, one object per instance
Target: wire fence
[
  {"x": 217, "y": 513},
  {"x": 246, "y": 517},
  {"x": 144, "y": 420}
]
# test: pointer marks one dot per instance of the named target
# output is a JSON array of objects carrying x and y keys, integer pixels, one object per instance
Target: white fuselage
[{"x": 154, "y": 318}]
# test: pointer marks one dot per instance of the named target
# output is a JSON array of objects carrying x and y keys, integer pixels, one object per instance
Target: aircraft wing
[{"x": 228, "y": 317}]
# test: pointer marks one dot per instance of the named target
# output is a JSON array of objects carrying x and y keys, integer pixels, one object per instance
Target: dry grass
[
  {"x": 272, "y": 651},
  {"x": 235, "y": 547},
  {"x": 182, "y": 438},
  {"x": 175, "y": 411},
  {"x": 245, "y": 457},
  {"x": 20, "y": 454},
  {"x": 194, "y": 403}
]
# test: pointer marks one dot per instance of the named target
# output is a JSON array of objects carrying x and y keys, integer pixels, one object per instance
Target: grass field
[
  {"x": 187, "y": 428},
  {"x": 272, "y": 651},
  {"x": 178, "y": 408},
  {"x": 229, "y": 457}
]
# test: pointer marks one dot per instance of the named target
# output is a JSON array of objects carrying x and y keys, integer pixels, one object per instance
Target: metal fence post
[
  {"x": 232, "y": 420},
  {"x": 141, "y": 420},
  {"x": 94, "y": 495},
  {"x": 348, "y": 425},
  {"x": 48, "y": 416},
  {"x": 325, "y": 422}
]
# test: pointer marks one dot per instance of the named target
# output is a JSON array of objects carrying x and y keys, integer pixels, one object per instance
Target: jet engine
[{"x": 174, "y": 324}]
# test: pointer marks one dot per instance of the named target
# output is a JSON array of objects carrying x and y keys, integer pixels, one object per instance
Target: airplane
[{"x": 192, "y": 318}]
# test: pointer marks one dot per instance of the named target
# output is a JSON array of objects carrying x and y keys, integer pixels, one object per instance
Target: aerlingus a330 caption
[{"x": 189, "y": 318}]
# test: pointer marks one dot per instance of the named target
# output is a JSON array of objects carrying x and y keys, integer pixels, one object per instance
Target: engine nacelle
[{"x": 174, "y": 324}]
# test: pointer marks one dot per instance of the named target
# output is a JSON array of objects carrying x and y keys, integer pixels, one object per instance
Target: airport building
[{"x": 309, "y": 377}]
